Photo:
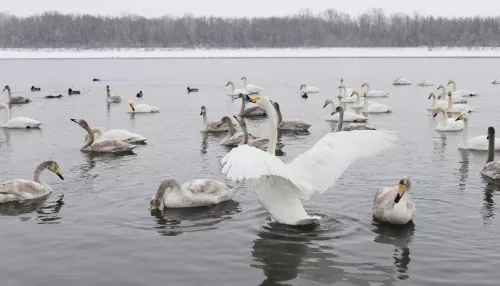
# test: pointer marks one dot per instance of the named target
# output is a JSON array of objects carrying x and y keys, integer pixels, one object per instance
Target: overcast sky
[{"x": 241, "y": 8}]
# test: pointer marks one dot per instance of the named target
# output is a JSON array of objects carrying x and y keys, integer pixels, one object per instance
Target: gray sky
[{"x": 239, "y": 8}]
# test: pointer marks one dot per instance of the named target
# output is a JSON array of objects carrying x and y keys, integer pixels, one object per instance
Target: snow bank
[{"x": 248, "y": 53}]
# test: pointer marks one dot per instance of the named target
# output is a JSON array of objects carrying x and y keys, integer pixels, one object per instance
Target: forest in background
[{"x": 330, "y": 28}]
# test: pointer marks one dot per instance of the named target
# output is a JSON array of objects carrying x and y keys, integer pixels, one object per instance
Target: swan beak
[
  {"x": 74, "y": 120},
  {"x": 401, "y": 192},
  {"x": 132, "y": 106},
  {"x": 255, "y": 99},
  {"x": 364, "y": 84},
  {"x": 152, "y": 206},
  {"x": 435, "y": 114},
  {"x": 333, "y": 113},
  {"x": 58, "y": 172},
  {"x": 460, "y": 117},
  {"x": 227, "y": 83},
  {"x": 325, "y": 105},
  {"x": 243, "y": 77}
]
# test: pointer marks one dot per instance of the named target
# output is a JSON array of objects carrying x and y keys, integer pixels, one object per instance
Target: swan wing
[
  {"x": 22, "y": 122},
  {"x": 20, "y": 190}
]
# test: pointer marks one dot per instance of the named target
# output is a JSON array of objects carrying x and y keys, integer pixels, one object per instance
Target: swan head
[
  {"x": 277, "y": 106},
  {"x": 54, "y": 168},
  {"x": 82, "y": 123},
  {"x": 431, "y": 95},
  {"x": 438, "y": 110},
  {"x": 302, "y": 86},
  {"x": 450, "y": 82},
  {"x": 397, "y": 79},
  {"x": 240, "y": 120},
  {"x": 341, "y": 80},
  {"x": 337, "y": 109},
  {"x": 107, "y": 87},
  {"x": 354, "y": 93},
  {"x": 341, "y": 86},
  {"x": 131, "y": 103},
  {"x": 229, "y": 83},
  {"x": 327, "y": 102},
  {"x": 260, "y": 100},
  {"x": 364, "y": 84},
  {"x": 6, "y": 88},
  {"x": 450, "y": 93},
  {"x": 491, "y": 132},
  {"x": 404, "y": 186},
  {"x": 464, "y": 115},
  {"x": 223, "y": 120},
  {"x": 243, "y": 77},
  {"x": 156, "y": 202},
  {"x": 203, "y": 110}
]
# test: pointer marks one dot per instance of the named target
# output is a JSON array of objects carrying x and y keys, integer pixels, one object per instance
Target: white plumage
[
  {"x": 374, "y": 93},
  {"x": 348, "y": 116},
  {"x": 447, "y": 124},
  {"x": 394, "y": 205},
  {"x": 401, "y": 81},
  {"x": 479, "y": 143},
  {"x": 117, "y": 134},
  {"x": 252, "y": 89},
  {"x": 142, "y": 108},
  {"x": 17, "y": 122},
  {"x": 425, "y": 82},
  {"x": 236, "y": 91},
  {"x": 308, "y": 89}
]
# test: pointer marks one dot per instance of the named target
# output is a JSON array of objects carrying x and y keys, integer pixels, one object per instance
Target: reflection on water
[
  {"x": 464, "y": 169},
  {"x": 488, "y": 209},
  {"x": 47, "y": 213}
]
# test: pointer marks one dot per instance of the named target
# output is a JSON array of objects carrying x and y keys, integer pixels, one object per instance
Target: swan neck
[
  {"x": 465, "y": 136},
  {"x": 38, "y": 172},
  {"x": 450, "y": 102},
  {"x": 91, "y": 138},
  {"x": 278, "y": 113},
  {"x": 231, "y": 128},
  {"x": 245, "y": 134},
  {"x": 108, "y": 92},
  {"x": 365, "y": 104},
  {"x": 245, "y": 82},
  {"x": 242, "y": 109},
  {"x": 205, "y": 118},
  {"x": 9, "y": 94},
  {"x": 445, "y": 117},
  {"x": 357, "y": 98},
  {"x": 273, "y": 128},
  {"x": 491, "y": 148},
  {"x": 454, "y": 86},
  {"x": 367, "y": 88},
  {"x": 7, "y": 112},
  {"x": 433, "y": 106},
  {"x": 341, "y": 121}
]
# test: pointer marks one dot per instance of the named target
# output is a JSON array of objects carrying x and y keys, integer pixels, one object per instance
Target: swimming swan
[
  {"x": 435, "y": 103},
  {"x": 375, "y": 107},
  {"x": 280, "y": 187},
  {"x": 374, "y": 93},
  {"x": 447, "y": 124},
  {"x": 343, "y": 98},
  {"x": 232, "y": 139},
  {"x": 476, "y": 143},
  {"x": 348, "y": 116},
  {"x": 195, "y": 193},
  {"x": 17, "y": 99},
  {"x": 212, "y": 126},
  {"x": 457, "y": 98},
  {"x": 21, "y": 190},
  {"x": 17, "y": 122},
  {"x": 112, "y": 98},
  {"x": 251, "y": 111},
  {"x": 456, "y": 108},
  {"x": 351, "y": 127},
  {"x": 253, "y": 89},
  {"x": 401, "y": 81},
  {"x": 462, "y": 92},
  {"x": 345, "y": 90},
  {"x": 237, "y": 91},
  {"x": 117, "y": 134},
  {"x": 492, "y": 167},
  {"x": 290, "y": 125},
  {"x": 308, "y": 89},
  {"x": 141, "y": 108},
  {"x": 106, "y": 146},
  {"x": 394, "y": 205},
  {"x": 358, "y": 104},
  {"x": 425, "y": 82},
  {"x": 259, "y": 143}
]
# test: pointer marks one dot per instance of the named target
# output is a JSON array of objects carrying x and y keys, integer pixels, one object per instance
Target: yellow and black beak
[
  {"x": 401, "y": 192},
  {"x": 227, "y": 83},
  {"x": 59, "y": 174},
  {"x": 460, "y": 117},
  {"x": 255, "y": 99},
  {"x": 326, "y": 104},
  {"x": 132, "y": 106},
  {"x": 152, "y": 206}
]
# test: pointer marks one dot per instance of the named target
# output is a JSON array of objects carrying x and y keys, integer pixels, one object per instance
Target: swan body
[
  {"x": 280, "y": 187},
  {"x": 117, "y": 134},
  {"x": 251, "y": 111},
  {"x": 492, "y": 167},
  {"x": 394, "y": 205},
  {"x": 17, "y": 122},
  {"x": 401, "y": 81},
  {"x": 358, "y": 104},
  {"x": 259, "y": 143},
  {"x": 374, "y": 93},
  {"x": 236, "y": 91},
  {"x": 112, "y": 98},
  {"x": 425, "y": 83},
  {"x": 289, "y": 125},
  {"x": 308, "y": 89},
  {"x": 462, "y": 92},
  {"x": 16, "y": 99},
  {"x": 343, "y": 98},
  {"x": 105, "y": 146},
  {"x": 22, "y": 190},
  {"x": 348, "y": 116},
  {"x": 253, "y": 89},
  {"x": 375, "y": 107},
  {"x": 141, "y": 108},
  {"x": 232, "y": 139},
  {"x": 212, "y": 126},
  {"x": 457, "y": 98},
  {"x": 496, "y": 81},
  {"x": 479, "y": 143},
  {"x": 447, "y": 124},
  {"x": 195, "y": 193},
  {"x": 351, "y": 127},
  {"x": 435, "y": 103}
]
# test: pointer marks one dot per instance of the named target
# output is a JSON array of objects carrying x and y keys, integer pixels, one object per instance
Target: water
[{"x": 102, "y": 232}]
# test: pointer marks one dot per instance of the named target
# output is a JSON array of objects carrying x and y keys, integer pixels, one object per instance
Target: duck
[
  {"x": 401, "y": 81},
  {"x": 141, "y": 108},
  {"x": 189, "y": 90},
  {"x": 212, "y": 126},
  {"x": 447, "y": 124},
  {"x": 16, "y": 99},
  {"x": 24, "y": 190},
  {"x": 105, "y": 146},
  {"x": 112, "y": 98},
  {"x": 308, "y": 89},
  {"x": 492, "y": 168},
  {"x": 289, "y": 125},
  {"x": 17, "y": 122},
  {"x": 96, "y": 79},
  {"x": 54, "y": 96},
  {"x": 73, "y": 92},
  {"x": 348, "y": 116},
  {"x": 305, "y": 96},
  {"x": 139, "y": 94},
  {"x": 394, "y": 205},
  {"x": 33, "y": 89},
  {"x": 425, "y": 82},
  {"x": 195, "y": 193},
  {"x": 462, "y": 92},
  {"x": 374, "y": 93},
  {"x": 479, "y": 143},
  {"x": 251, "y": 88},
  {"x": 375, "y": 107}
]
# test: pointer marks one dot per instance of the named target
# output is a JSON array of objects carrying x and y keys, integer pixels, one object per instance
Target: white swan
[
  {"x": 289, "y": 125},
  {"x": 401, "y": 81},
  {"x": 346, "y": 90},
  {"x": 308, "y": 89},
  {"x": 374, "y": 93},
  {"x": 462, "y": 92},
  {"x": 236, "y": 91},
  {"x": 232, "y": 139},
  {"x": 253, "y": 89},
  {"x": 141, "y": 108},
  {"x": 456, "y": 108},
  {"x": 447, "y": 124},
  {"x": 212, "y": 126},
  {"x": 112, "y": 98},
  {"x": 435, "y": 103},
  {"x": 259, "y": 143},
  {"x": 117, "y": 134},
  {"x": 492, "y": 167},
  {"x": 17, "y": 122},
  {"x": 394, "y": 205},
  {"x": 476, "y": 143},
  {"x": 280, "y": 187},
  {"x": 251, "y": 111},
  {"x": 496, "y": 81},
  {"x": 358, "y": 104},
  {"x": 375, "y": 107},
  {"x": 348, "y": 116},
  {"x": 457, "y": 98},
  {"x": 343, "y": 98},
  {"x": 21, "y": 190},
  {"x": 350, "y": 127},
  {"x": 195, "y": 193},
  {"x": 106, "y": 146},
  {"x": 17, "y": 99},
  {"x": 425, "y": 82}
]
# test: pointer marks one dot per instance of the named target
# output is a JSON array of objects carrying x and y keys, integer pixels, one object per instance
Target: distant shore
[{"x": 144, "y": 53}]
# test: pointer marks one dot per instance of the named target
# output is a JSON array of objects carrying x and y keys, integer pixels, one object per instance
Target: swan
[
  {"x": 142, "y": 108},
  {"x": 259, "y": 143},
  {"x": 280, "y": 187},
  {"x": 231, "y": 139},
  {"x": 212, "y": 126},
  {"x": 456, "y": 108},
  {"x": 189, "y": 90},
  {"x": 375, "y": 107},
  {"x": 394, "y": 205},
  {"x": 18, "y": 122},
  {"x": 346, "y": 91},
  {"x": 343, "y": 98},
  {"x": 436, "y": 103},
  {"x": 289, "y": 125},
  {"x": 496, "y": 81},
  {"x": 117, "y": 134},
  {"x": 21, "y": 190},
  {"x": 492, "y": 167},
  {"x": 457, "y": 98},
  {"x": 447, "y": 124},
  {"x": 462, "y": 92},
  {"x": 33, "y": 88},
  {"x": 105, "y": 146},
  {"x": 308, "y": 89},
  {"x": 351, "y": 127},
  {"x": 476, "y": 143},
  {"x": 195, "y": 193},
  {"x": 251, "y": 111},
  {"x": 252, "y": 89},
  {"x": 112, "y": 98},
  {"x": 348, "y": 116},
  {"x": 374, "y": 93},
  {"x": 425, "y": 82},
  {"x": 401, "y": 81},
  {"x": 17, "y": 99},
  {"x": 236, "y": 91},
  {"x": 358, "y": 104},
  {"x": 73, "y": 92}
]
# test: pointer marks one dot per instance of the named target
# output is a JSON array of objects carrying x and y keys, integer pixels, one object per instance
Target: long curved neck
[
  {"x": 245, "y": 134},
  {"x": 465, "y": 136},
  {"x": 273, "y": 128},
  {"x": 341, "y": 121},
  {"x": 454, "y": 86},
  {"x": 445, "y": 116},
  {"x": 450, "y": 102},
  {"x": 357, "y": 98},
  {"x": 365, "y": 104},
  {"x": 443, "y": 92},
  {"x": 367, "y": 88},
  {"x": 108, "y": 92},
  {"x": 38, "y": 172},
  {"x": 232, "y": 88},
  {"x": 344, "y": 92},
  {"x": 91, "y": 138},
  {"x": 245, "y": 82},
  {"x": 242, "y": 109},
  {"x": 98, "y": 131},
  {"x": 205, "y": 118},
  {"x": 7, "y": 112},
  {"x": 10, "y": 95},
  {"x": 278, "y": 113},
  {"x": 433, "y": 106},
  {"x": 231, "y": 127},
  {"x": 491, "y": 148}
]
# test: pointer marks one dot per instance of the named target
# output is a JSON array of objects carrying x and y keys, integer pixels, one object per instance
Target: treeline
[{"x": 330, "y": 28}]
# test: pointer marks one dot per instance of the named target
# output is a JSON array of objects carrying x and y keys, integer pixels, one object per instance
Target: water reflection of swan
[
  {"x": 173, "y": 222},
  {"x": 47, "y": 213},
  {"x": 464, "y": 168},
  {"x": 488, "y": 209},
  {"x": 401, "y": 238}
]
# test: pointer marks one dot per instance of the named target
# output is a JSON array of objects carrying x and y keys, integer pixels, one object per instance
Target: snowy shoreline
[{"x": 143, "y": 53}]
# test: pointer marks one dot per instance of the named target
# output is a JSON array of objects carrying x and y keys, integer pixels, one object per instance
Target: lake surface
[{"x": 102, "y": 233}]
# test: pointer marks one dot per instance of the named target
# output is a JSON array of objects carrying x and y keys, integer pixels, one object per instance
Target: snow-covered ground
[{"x": 247, "y": 53}]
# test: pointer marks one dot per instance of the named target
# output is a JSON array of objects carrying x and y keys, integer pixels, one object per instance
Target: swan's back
[
  {"x": 20, "y": 190},
  {"x": 198, "y": 193},
  {"x": 122, "y": 135},
  {"x": 293, "y": 125},
  {"x": 110, "y": 146},
  {"x": 492, "y": 170},
  {"x": 22, "y": 122}
]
